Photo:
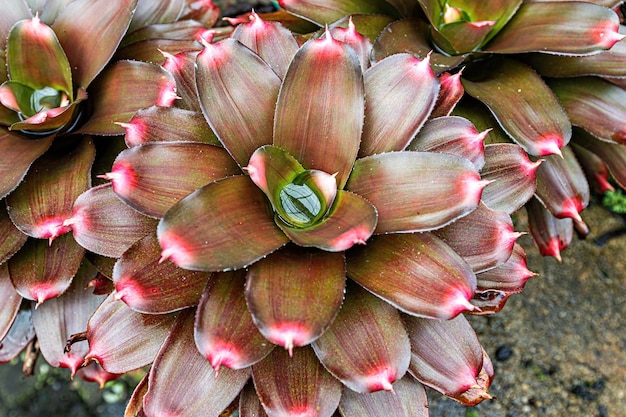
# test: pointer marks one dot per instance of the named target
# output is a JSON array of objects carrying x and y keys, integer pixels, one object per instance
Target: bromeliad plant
[
  {"x": 545, "y": 75},
  {"x": 66, "y": 75},
  {"x": 314, "y": 256}
]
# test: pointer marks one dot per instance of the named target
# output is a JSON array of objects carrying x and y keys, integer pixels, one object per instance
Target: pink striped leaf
[
  {"x": 295, "y": 293},
  {"x": 167, "y": 124},
  {"x": 411, "y": 192},
  {"x": 153, "y": 177},
  {"x": 398, "y": 81},
  {"x": 562, "y": 186},
  {"x": 484, "y": 238},
  {"x": 11, "y": 238},
  {"x": 42, "y": 270},
  {"x": 524, "y": 106},
  {"x": 595, "y": 105},
  {"x": 229, "y": 75},
  {"x": 319, "y": 113},
  {"x": 59, "y": 318},
  {"x": 296, "y": 385},
  {"x": 43, "y": 202},
  {"x": 612, "y": 154},
  {"x": 152, "y": 287},
  {"x": 182, "y": 382},
  {"x": 408, "y": 399},
  {"x": 513, "y": 176},
  {"x": 447, "y": 357},
  {"x": 104, "y": 224},
  {"x": 366, "y": 347},
  {"x": 454, "y": 135},
  {"x": 224, "y": 331},
  {"x": 20, "y": 335},
  {"x": 551, "y": 234},
  {"x": 121, "y": 339},
  {"x": 416, "y": 273}
]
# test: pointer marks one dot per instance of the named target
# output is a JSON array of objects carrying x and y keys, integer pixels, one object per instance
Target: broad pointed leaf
[
  {"x": 401, "y": 91},
  {"x": 366, "y": 347},
  {"x": 324, "y": 12},
  {"x": 411, "y": 192},
  {"x": 237, "y": 92},
  {"x": 350, "y": 221},
  {"x": 511, "y": 276},
  {"x": 12, "y": 301},
  {"x": 82, "y": 24},
  {"x": 121, "y": 339},
  {"x": 42, "y": 270},
  {"x": 166, "y": 124},
  {"x": 270, "y": 40},
  {"x": 345, "y": 30},
  {"x": 294, "y": 294},
  {"x": 11, "y": 239},
  {"x": 224, "y": 225},
  {"x": 557, "y": 27},
  {"x": 43, "y": 202},
  {"x": 523, "y": 105},
  {"x": 408, "y": 399},
  {"x": 183, "y": 67},
  {"x": 35, "y": 58},
  {"x": 450, "y": 92},
  {"x": 319, "y": 114},
  {"x": 513, "y": 176},
  {"x": 562, "y": 186},
  {"x": 447, "y": 357},
  {"x": 484, "y": 238},
  {"x": 454, "y": 135},
  {"x": 18, "y": 154},
  {"x": 613, "y": 155},
  {"x": 103, "y": 224},
  {"x": 224, "y": 331},
  {"x": 19, "y": 336},
  {"x": 551, "y": 235},
  {"x": 150, "y": 287},
  {"x": 296, "y": 385},
  {"x": 595, "y": 105},
  {"x": 57, "y": 319},
  {"x": 183, "y": 383},
  {"x": 153, "y": 177},
  {"x": 124, "y": 88},
  {"x": 417, "y": 273}
]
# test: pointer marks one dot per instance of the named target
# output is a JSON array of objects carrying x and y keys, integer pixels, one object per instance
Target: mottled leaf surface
[
  {"x": 183, "y": 383},
  {"x": 416, "y": 272},
  {"x": 295, "y": 293},
  {"x": 296, "y": 385}
]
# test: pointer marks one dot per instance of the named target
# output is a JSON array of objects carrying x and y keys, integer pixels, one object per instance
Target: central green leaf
[{"x": 300, "y": 205}]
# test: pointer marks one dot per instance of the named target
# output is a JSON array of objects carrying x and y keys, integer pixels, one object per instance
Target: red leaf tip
[
  {"x": 381, "y": 379},
  {"x": 550, "y": 144},
  {"x": 123, "y": 178},
  {"x": 52, "y": 227},
  {"x": 224, "y": 353},
  {"x": 354, "y": 236},
  {"x": 289, "y": 335},
  {"x": 175, "y": 249},
  {"x": 607, "y": 34}
]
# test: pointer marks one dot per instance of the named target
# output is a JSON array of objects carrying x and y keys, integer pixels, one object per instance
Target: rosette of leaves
[
  {"x": 315, "y": 254},
  {"x": 545, "y": 75},
  {"x": 66, "y": 84}
]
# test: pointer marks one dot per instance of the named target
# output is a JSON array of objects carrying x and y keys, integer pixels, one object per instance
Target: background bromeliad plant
[
  {"x": 310, "y": 194},
  {"x": 545, "y": 75}
]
